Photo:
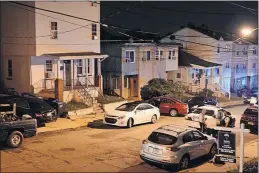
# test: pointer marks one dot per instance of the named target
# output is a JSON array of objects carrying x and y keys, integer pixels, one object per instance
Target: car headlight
[{"x": 122, "y": 117}]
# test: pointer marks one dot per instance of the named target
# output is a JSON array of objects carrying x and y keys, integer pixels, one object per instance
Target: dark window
[
  {"x": 48, "y": 65},
  {"x": 254, "y": 65},
  {"x": 197, "y": 136},
  {"x": 10, "y": 68},
  {"x": 217, "y": 70},
  {"x": 161, "y": 138},
  {"x": 20, "y": 103},
  {"x": 54, "y": 30},
  {"x": 218, "y": 49},
  {"x": 126, "y": 82},
  {"x": 188, "y": 137},
  {"x": 130, "y": 56},
  {"x": 94, "y": 31},
  {"x": 148, "y": 55},
  {"x": 252, "y": 112},
  {"x": 80, "y": 66},
  {"x": 237, "y": 67},
  {"x": 178, "y": 75}
]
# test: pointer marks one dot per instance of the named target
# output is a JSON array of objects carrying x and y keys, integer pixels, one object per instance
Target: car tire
[
  {"x": 15, "y": 139},
  {"x": 153, "y": 119},
  {"x": 130, "y": 123},
  {"x": 173, "y": 112},
  {"x": 213, "y": 150},
  {"x": 184, "y": 163}
]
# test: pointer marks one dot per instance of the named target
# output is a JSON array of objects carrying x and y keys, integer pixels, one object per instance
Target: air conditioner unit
[
  {"x": 49, "y": 75},
  {"x": 54, "y": 34}
]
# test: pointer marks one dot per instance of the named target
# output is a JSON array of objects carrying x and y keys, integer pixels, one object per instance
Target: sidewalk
[
  {"x": 250, "y": 151},
  {"x": 68, "y": 124}
]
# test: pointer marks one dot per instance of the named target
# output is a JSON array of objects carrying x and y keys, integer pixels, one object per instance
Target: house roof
[
  {"x": 186, "y": 59},
  {"x": 72, "y": 55}
]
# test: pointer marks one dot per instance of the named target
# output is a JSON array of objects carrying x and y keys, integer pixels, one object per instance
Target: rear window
[
  {"x": 161, "y": 138},
  {"x": 252, "y": 112}
]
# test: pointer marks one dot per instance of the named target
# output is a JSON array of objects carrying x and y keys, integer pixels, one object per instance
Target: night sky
[{"x": 161, "y": 16}]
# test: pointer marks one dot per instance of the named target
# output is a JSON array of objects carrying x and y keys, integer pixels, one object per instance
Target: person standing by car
[{"x": 202, "y": 120}]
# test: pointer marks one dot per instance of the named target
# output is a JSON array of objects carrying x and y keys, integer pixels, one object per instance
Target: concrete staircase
[{"x": 98, "y": 108}]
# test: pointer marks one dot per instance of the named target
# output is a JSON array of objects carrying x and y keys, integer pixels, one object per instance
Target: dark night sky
[{"x": 169, "y": 21}]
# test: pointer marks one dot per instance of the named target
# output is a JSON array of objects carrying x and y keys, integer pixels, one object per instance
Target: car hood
[{"x": 116, "y": 113}]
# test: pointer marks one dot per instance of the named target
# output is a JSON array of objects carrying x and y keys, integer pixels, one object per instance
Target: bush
[
  {"x": 159, "y": 87},
  {"x": 206, "y": 93},
  {"x": 249, "y": 166},
  {"x": 73, "y": 105}
]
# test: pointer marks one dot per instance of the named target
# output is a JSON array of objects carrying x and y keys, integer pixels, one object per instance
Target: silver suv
[{"x": 174, "y": 144}]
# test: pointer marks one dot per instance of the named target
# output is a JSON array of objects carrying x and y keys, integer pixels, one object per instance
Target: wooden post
[{"x": 59, "y": 88}]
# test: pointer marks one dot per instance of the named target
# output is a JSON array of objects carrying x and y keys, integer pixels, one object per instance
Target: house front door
[
  {"x": 133, "y": 86},
  {"x": 68, "y": 72}
]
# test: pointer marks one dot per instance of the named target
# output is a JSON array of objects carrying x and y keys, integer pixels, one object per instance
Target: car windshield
[
  {"x": 251, "y": 112},
  {"x": 161, "y": 138},
  {"x": 38, "y": 104},
  {"x": 128, "y": 107}
]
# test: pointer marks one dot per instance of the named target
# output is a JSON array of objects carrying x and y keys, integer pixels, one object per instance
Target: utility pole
[{"x": 241, "y": 148}]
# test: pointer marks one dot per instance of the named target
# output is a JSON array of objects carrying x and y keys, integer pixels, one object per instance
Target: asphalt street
[{"x": 97, "y": 148}]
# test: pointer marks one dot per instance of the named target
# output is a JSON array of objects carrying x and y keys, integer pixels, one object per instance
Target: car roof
[
  {"x": 253, "y": 108},
  {"x": 174, "y": 130}
]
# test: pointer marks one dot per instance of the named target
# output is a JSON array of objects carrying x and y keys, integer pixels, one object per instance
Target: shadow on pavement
[
  {"x": 153, "y": 167},
  {"x": 98, "y": 124}
]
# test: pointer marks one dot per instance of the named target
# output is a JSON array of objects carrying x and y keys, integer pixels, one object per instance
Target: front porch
[{"x": 80, "y": 72}]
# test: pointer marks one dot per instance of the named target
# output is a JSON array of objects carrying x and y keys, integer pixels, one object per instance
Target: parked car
[
  {"x": 177, "y": 145},
  {"x": 34, "y": 107},
  {"x": 250, "y": 118},
  {"x": 14, "y": 132},
  {"x": 169, "y": 105},
  {"x": 59, "y": 106},
  {"x": 200, "y": 101},
  {"x": 130, "y": 114},
  {"x": 211, "y": 116}
]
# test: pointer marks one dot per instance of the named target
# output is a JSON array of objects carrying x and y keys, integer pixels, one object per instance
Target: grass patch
[
  {"x": 249, "y": 166},
  {"x": 73, "y": 105},
  {"x": 110, "y": 99}
]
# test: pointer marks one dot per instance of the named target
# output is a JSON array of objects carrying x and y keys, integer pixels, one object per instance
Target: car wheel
[
  {"x": 184, "y": 163},
  {"x": 173, "y": 112},
  {"x": 15, "y": 139},
  {"x": 153, "y": 119},
  {"x": 213, "y": 150},
  {"x": 130, "y": 123}
]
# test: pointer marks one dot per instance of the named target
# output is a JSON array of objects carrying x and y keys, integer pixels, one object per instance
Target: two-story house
[
  {"x": 131, "y": 65},
  {"x": 38, "y": 47},
  {"x": 217, "y": 48}
]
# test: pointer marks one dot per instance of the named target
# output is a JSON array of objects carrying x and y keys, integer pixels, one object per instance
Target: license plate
[
  {"x": 154, "y": 150},
  {"x": 250, "y": 123}
]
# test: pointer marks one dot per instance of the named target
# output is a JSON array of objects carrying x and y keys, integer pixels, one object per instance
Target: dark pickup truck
[{"x": 13, "y": 132}]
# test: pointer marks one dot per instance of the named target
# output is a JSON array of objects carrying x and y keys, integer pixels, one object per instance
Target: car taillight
[
  {"x": 173, "y": 149},
  {"x": 144, "y": 142},
  {"x": 38, "y": 115}
]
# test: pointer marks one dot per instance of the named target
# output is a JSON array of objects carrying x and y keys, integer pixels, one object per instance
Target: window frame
[
  {"x": 48, "y": 69},
  {"x": 54, "y": 30},
  {"x": 89, "y": 67},
  {"x": 145, "y": 56},
  {"x": 134, "y": 56},
  {"x": 171, "y": 54},
  {"x": 116, "y": 86},
  {"x": 126, "y": 81},
  {"x": 79, "y": 66},
  {"x": 94, "y": 30},
  {"x": 10, "y": 68}
]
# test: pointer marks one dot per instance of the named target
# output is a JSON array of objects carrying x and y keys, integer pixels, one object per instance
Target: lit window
[
  {"x": 48, "y": 65},
  {"x": 10, "y": 68},
  {"x": 115, "y": 83},
  {"x": 79, "y": 66},
  {"x": 54, "y": 30},
  {"x": 130, "y": 56},
  {"x": 94, "y": 31},
  {"x": 126, "y": 82},
  {"x": 228, "y": 48}
]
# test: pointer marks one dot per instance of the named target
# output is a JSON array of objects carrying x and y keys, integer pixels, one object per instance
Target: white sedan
[
  {"x": 210, "y": 115},
  {"x": 130, "y": 114}
]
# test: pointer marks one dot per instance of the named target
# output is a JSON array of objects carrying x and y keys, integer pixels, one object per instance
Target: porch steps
[{"x": 98, "y": 108}]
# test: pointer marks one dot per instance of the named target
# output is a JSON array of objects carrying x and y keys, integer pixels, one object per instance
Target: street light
[{"x": 246, "y": 31}]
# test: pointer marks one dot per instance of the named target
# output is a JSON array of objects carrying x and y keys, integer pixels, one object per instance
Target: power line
[
  {"x": 249, "y": 9},
  {"x": 186, "y": 11}
]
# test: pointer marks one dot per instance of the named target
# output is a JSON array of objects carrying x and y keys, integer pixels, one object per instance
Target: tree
[{"x": 159, "y": 87}]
